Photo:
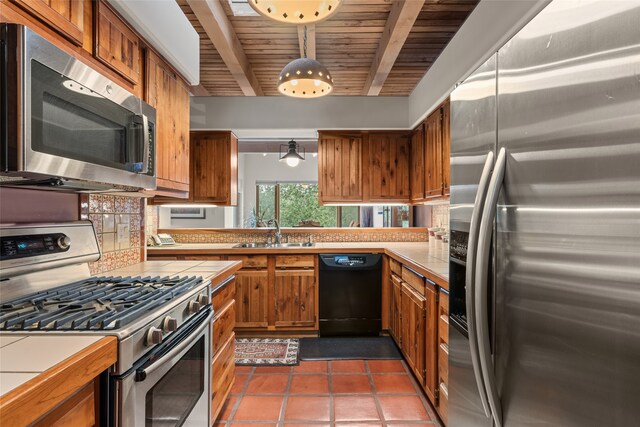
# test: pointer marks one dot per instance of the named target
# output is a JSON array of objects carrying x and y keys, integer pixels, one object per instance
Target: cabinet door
[
  {"x": 65, "y": 16},
  {"x": 295, "y": 298},
  {"x": 443, "y": 354},
  {"x": 446, "y": 147},
  {"x": 417, "y": 164},
  {"x": 431, "y": 342},
  {"x": 389, "y": 167},
  {"x": 396, "y": 310},
  {"x": 433, "y": 155},
  {"x": 116, "y": 45},
  {"x": 340, "y": 168},
  {"x": 251, "y": 298},
  {"x": 413, "y": 327},
  {"x": 166, "y": 92},
  {"x": 215, "y": 168}
]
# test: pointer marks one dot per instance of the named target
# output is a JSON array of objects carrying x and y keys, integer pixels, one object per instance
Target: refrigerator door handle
[
  {"x": 481, "y": 291},
  {"x": 470, "y": 282}
]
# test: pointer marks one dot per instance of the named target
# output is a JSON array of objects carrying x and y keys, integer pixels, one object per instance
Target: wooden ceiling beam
[
  {"x": 401, "y": 19},
  {"x": 216, "y": 24},
  {"x": 311, "y": 40}
]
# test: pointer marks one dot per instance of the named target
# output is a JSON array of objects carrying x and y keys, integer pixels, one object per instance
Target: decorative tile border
[
  {"x": 317, "y": 235},
  {"x": 107, "y": 213}
]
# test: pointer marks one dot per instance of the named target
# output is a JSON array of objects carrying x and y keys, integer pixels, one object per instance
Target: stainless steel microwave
[{"x": 63, "y": 122}]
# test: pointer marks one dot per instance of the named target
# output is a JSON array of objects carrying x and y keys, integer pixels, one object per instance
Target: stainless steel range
[{"x": 162, "y": 323}]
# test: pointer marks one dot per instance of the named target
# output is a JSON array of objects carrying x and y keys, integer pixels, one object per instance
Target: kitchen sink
[{"x": 263, "y": 245}]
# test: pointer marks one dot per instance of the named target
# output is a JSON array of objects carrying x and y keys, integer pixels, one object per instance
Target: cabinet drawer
[
  {"x": 250, "y": 261},
  {"x": 443, "y": 363},
  {"x": 222, "y": 374},
  {"x": 295, "y": 261},
  {"x": 395, "y": 266},
  {"x": 223, "y": 324},
  {"x": 224, "y": 295},
  {"x": 415, "y": 280},
  {"x": 443, "y": 403}
]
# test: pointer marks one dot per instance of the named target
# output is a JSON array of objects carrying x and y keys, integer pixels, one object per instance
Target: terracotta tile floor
[{"x": 353, "y": 393}]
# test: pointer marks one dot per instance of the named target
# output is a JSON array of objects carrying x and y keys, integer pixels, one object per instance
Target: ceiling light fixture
[
  {"x": 292, "y": 157},
  {"x": 305, "y": 77},
  {"x": 296, "y": 11}
]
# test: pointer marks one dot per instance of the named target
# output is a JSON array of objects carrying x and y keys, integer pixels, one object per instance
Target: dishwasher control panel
[{"x": 349, "y": 260}]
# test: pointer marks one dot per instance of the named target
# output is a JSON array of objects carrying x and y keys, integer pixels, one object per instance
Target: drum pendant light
[
  {"x": 305, "y": 77},
  {"x": 297, "y": 12}
]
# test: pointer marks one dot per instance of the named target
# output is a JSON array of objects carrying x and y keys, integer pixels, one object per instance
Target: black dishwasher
[{"x": 350, "y": 294}]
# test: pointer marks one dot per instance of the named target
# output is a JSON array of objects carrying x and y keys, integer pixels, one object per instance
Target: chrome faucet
[{"x": 277, "y": 234}]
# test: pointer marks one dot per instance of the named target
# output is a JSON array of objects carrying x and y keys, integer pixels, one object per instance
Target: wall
[
  {"x": 25, "y": 206},
  {"x": 113, "y": 215},
  {"x": 104, "y": 211},
  {"x": 431, "y": 215}
]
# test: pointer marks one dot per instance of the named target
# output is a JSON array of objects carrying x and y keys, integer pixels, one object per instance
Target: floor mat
[
  {"x": 267, "y": 351},
  {"x": 346, "y": 348}
]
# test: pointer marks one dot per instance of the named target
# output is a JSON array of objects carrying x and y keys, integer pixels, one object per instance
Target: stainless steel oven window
[
  {"x": 170, "y": 401},
  {"x": 72, "y": 121}
]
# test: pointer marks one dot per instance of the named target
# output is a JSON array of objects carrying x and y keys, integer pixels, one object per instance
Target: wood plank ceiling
[{"x": 346, "y": 44}]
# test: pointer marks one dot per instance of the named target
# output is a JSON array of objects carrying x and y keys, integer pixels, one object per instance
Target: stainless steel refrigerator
[{"x": 545, "y": 225}]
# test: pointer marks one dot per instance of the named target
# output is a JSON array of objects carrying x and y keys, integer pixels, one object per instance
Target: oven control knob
[
  {"x": 193, "y": 307},
  {"x": 203, "y": 299},
  {"x": 154, "y": 336},
  {"x": 64, "y": 242},
  {"x": 169, "y": 324}
]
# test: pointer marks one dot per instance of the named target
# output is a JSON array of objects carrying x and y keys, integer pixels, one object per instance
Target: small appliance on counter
[
  {"x": 66, "y": 126},
  {"x": 162, "y": 323}
]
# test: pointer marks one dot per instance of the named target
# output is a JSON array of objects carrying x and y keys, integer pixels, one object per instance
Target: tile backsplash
[{"x": 119, "y": 225}]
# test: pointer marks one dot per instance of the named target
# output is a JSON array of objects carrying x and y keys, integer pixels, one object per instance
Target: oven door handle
[{"x": 175, "y": 348}]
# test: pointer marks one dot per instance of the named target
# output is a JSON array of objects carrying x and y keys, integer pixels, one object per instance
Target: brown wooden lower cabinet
[
  {"x": 443, "y": 355},
  {"x": 413, "y": 326},
  {"x": 396, "y": 310},
  {"x": 252, "y": 298},
  {"x": 418, "y": 322},
  {"x": 222, "y": 346},
  {"x": 294, "y": 293},
  {"x": 82, "y": 409}
]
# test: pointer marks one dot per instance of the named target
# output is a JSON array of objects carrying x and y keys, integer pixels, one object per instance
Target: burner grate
[{"x": 101, "y": 303}]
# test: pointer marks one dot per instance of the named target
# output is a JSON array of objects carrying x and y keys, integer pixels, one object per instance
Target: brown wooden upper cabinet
[
  {"x": 340, "y": 167},
  {"x": 214, "y": 175},
  {"x": 65, "y": 16},
  {"x": 430, "y": 151},
  {"x": 389, "y": 167},
  {"x": 116, "y": 44},
  {"x": 417, "y": 164},
  {"x": 361, "y": 166},
  {"x": 170, "y": 96},
  {"x": 446, "y": 147}
]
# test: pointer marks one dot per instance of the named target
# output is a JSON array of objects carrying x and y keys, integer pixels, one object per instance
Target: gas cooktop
[{"x": 100, "y": 303}]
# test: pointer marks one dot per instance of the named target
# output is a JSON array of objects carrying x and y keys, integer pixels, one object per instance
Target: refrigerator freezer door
[
  {"x": 568, "y": 221},
  {"x": 473, "y": 138}
]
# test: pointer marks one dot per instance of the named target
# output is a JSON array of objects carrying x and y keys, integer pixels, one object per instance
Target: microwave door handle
[
  {"x": 142, "y": 374},
  {"x": 145, "y": 135},
  {"x": 481, "y": 291},
  {"x": 470, "y": 282}
]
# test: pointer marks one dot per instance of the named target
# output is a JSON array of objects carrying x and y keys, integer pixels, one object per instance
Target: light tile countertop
[
  {"x": 23, "y": 357},
  {"x": 418, "y": 255}
]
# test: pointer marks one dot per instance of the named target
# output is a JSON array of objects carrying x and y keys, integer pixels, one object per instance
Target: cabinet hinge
[
  {"x": 436, "y": 395},
  {"x": 424, "y": 374},
  {"x": 424, "y": 313},
  {"x": 437, "y": 297}
]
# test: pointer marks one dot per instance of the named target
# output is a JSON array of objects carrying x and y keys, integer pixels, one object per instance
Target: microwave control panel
[{"x": 12, "y": 247}]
